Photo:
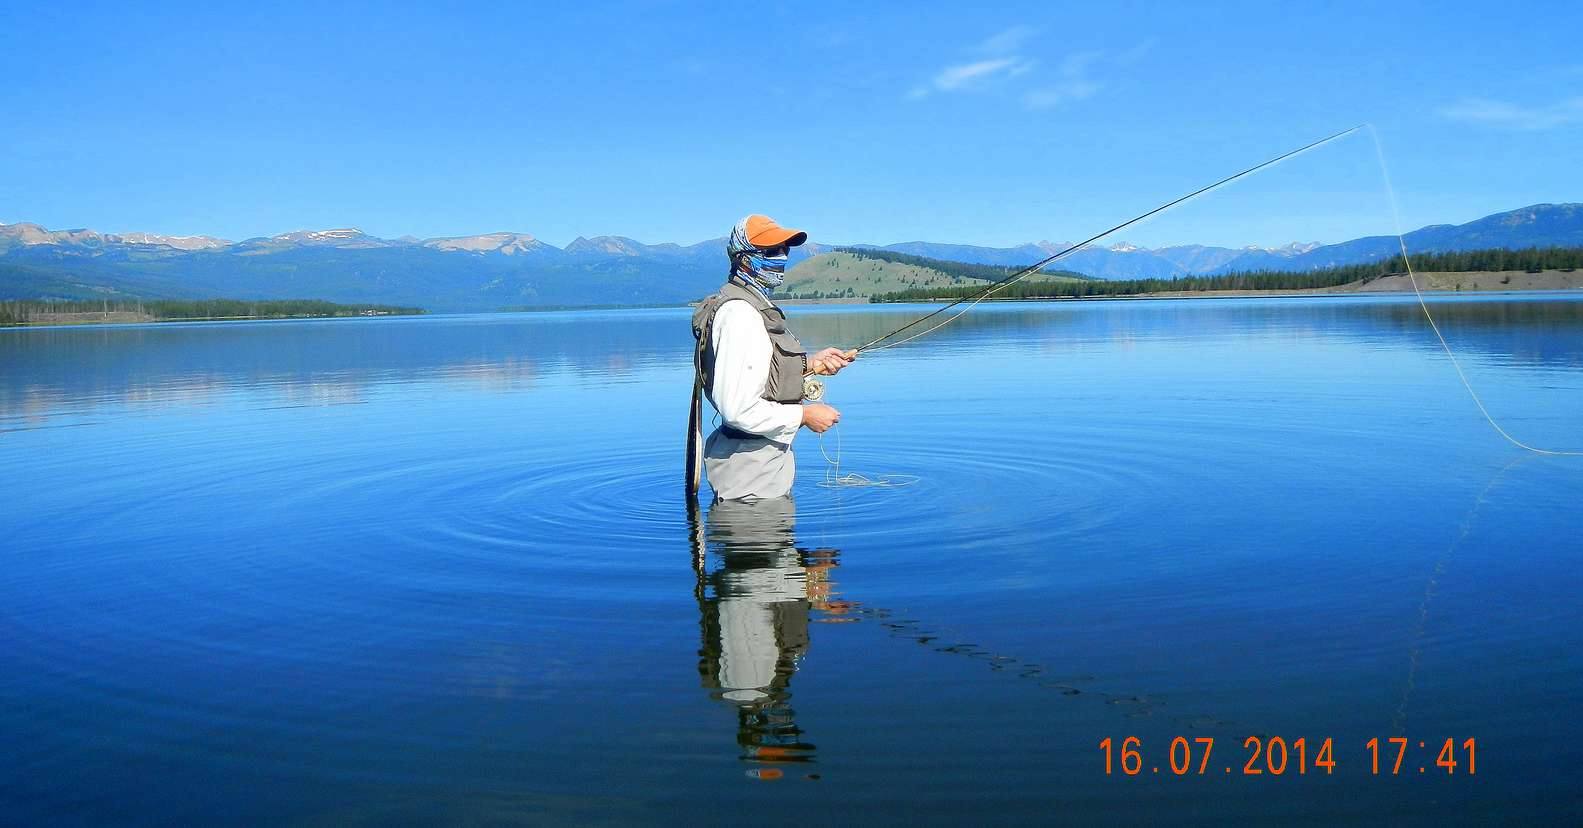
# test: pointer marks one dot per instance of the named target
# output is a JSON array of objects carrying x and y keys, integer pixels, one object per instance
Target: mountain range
[{"x": 505, "y": 269}]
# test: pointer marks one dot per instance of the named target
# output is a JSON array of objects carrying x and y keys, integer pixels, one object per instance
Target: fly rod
[{"x": 1021, "y": 274}]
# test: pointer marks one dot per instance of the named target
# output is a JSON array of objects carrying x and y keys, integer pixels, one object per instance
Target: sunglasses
[{"x": 778, "y": 250}]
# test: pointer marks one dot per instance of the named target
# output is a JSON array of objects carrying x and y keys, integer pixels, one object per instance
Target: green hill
[{"x": 862, "y": 272}]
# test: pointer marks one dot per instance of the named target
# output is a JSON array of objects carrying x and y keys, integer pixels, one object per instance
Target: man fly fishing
[{"x": 753, "y": 370}]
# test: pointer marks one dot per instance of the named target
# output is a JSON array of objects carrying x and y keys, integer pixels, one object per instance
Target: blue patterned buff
[{"x": 752, "y": 264}]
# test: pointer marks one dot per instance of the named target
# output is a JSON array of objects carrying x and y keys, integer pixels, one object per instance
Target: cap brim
[{"x": 779, "y": 236}]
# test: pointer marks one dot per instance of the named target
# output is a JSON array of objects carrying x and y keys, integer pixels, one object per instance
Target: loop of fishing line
[
  {"x": 1401, "y": 240},
  {"x": 833, "y": 478}
]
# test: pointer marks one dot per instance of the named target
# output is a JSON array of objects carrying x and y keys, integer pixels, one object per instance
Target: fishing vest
[{"x": 788, "y": 358}]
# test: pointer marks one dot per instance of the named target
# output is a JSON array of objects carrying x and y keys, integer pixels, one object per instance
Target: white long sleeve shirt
[{"x": 741, "y": 372}]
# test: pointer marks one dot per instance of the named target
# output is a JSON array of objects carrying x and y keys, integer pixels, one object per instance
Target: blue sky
[{"x": 885, "y": 123}]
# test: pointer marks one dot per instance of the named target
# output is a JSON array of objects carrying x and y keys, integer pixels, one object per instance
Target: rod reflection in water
[{"x": 754, "y": 610}]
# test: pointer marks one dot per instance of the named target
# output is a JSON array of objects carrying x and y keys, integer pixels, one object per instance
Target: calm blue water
[{"x": 439, "y": 570}]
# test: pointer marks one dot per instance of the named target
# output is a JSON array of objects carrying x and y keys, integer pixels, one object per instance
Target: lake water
[{"x": 439, "y": 570}]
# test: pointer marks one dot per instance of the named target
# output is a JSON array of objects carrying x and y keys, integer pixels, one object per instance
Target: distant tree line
[
  {"x": 992, "y": 273},
  {"x": 22, "y": 311},
  {"x": 833, "y": 293},
  {"x": 603, "y": 306},
  {"x": 1533, "y": 260}
]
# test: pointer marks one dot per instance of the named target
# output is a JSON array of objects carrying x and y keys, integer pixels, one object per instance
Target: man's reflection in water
[{"x": 755, "y": 607}]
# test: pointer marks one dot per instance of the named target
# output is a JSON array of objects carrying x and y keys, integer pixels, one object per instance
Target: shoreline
[
  {"x": 1460, "y": 282},
  {"x": 63, "y": 320},
  {"x": 1499, "y": 281},
  {"x": 1488, "y": 283}
]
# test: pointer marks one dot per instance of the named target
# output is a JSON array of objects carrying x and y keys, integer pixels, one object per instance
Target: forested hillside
[{"x": 1532, "y": 259}]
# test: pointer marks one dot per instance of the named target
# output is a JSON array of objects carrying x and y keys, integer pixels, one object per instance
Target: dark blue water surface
[{"x": 439, "y": 570}]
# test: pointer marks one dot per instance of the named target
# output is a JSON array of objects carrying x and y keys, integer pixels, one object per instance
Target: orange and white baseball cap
[{"x": 762, "y": 231}]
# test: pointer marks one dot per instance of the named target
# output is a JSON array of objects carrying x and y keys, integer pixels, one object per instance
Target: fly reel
[{"x": 812, "y": 389}]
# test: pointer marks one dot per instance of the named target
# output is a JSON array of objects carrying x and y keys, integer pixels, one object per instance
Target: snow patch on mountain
[
  {"x": 505, "y": 244},
  {"x": 178, "y": 242},
  {"x": 605, "y": 246},
  {"x": 335, "y": 237}
]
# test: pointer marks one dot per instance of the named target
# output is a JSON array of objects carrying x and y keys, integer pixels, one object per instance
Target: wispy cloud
[
  {"x": 1072, "y": 82},
  {"x": 1135, "y": 52},
  {"x": 1060, "y": 93},
  {"x": 1515, "y": 116},
  {"x": 967, "y": 74},
  {"x": 999, "y": 58},
  {"x": 1007, "y": 41}
]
